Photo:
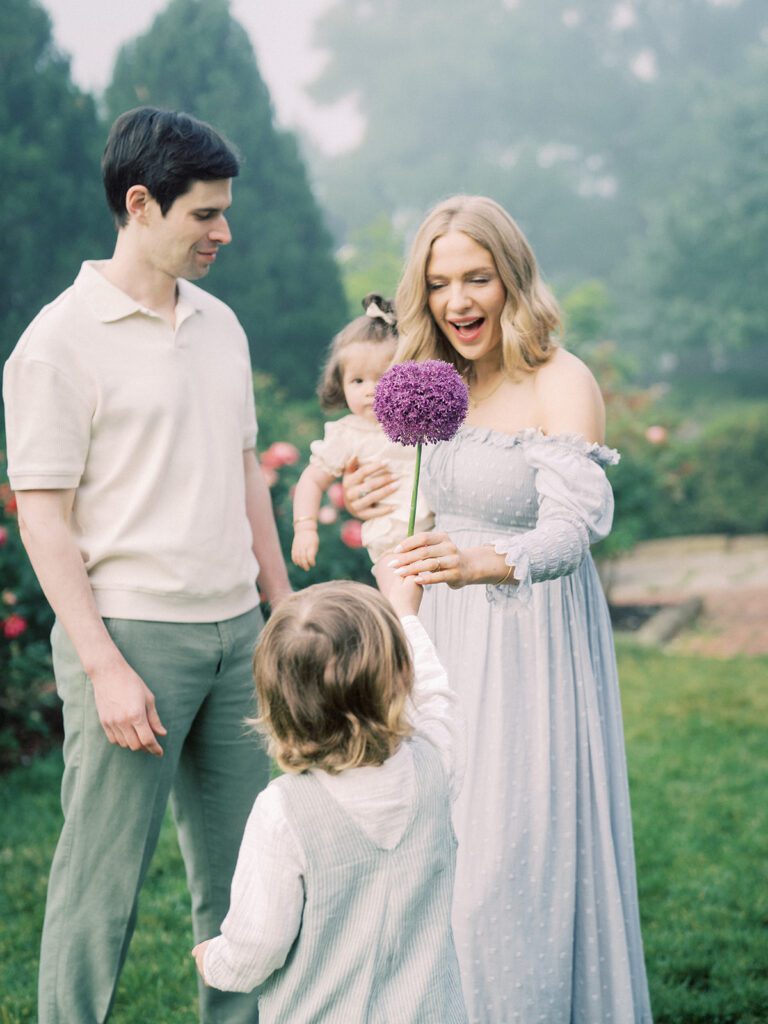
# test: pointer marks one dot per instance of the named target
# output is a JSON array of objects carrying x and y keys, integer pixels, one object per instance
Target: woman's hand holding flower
[
  {"x": 434, "y": 558},
  {"x": 431, "y": 558}
]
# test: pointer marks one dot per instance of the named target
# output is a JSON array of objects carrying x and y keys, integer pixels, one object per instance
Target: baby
[{"x": 358, "y": 357}]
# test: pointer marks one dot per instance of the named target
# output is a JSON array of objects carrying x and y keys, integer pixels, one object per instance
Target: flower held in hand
[{"x": 420, "y": 403}]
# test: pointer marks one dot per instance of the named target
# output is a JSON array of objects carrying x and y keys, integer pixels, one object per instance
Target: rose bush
[
  {"x": 287, "y": 428},
  {"x": 29, "y": 709}
]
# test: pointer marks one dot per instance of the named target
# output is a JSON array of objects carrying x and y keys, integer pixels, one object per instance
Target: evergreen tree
[
  {"x": 278, "y": 274},
  {"x": 700, "y": 278},
  {"x": 52, "y": 213}
]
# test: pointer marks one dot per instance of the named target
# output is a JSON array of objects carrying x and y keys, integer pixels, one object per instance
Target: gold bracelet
[
  {"x": 303, "y": 519},
  {"x": 505, "y": 577}
]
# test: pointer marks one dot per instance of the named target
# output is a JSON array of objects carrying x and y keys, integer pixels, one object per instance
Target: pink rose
[
  {"x": 336, "y": 495},
  {"x": 656, "y": 434},
  {"x": 279, "y": 454},
  {"x": 14, "y": 626},
  {"x": 327, "y": 515},
  {"x": 352, "y": 533}
]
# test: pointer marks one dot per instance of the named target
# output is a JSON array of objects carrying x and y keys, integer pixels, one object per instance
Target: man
[{"x": 131, "y": 431}]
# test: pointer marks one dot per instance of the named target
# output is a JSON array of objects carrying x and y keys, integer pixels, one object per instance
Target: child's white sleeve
[
  {"x": 434, "y": 710},
  {"x": 266, "y": 902}
]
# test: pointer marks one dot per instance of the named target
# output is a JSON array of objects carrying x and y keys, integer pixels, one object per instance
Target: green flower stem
[{"x": 415, "y": 491}]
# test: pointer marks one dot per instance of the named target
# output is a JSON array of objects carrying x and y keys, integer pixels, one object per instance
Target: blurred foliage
[
  {"x": 677, "y": 475},
  {"x": 371, "y": 261},
  {"x": 52, "y": 212},
  {"x": 717, "y": 482},
  {"x": 571, "y": 114},
  {"x": 586, "y": 312},
  {"x": 279, "y": 274},
  {"x": 29, "y": 707},
  {"x": 684, "y": 469},
  {"x": 628, "y": 139},
  {"x": 700, "y": 276}
]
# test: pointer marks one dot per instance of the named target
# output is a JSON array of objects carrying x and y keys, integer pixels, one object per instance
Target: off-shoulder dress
[{"x": 545, "y": 910}]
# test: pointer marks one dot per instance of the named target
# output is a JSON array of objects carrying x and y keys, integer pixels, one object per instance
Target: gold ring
[{"x": 438, "y": 566}]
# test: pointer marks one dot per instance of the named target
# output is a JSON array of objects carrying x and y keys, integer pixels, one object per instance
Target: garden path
[{"x": 730, "y": 574}]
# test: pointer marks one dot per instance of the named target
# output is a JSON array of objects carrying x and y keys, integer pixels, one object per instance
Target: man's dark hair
[{"x": 166, "y": 151}]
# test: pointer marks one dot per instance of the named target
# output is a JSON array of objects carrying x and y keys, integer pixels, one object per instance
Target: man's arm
[
  {"x": 273, "y": 576},
  {"x": 126, "y": 706}
]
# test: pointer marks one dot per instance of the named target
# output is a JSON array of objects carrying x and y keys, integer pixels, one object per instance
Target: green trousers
[{"x": 114, "y": 802}]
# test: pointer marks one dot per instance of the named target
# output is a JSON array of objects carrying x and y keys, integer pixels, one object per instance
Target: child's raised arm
[
  {"x": 312, "y": 485},
  {"x": 434, "y": 709},
  {"x": 404, "y": 594}
]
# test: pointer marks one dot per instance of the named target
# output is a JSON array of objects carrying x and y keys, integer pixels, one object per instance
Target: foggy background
[{"x": 629, "y": 138}]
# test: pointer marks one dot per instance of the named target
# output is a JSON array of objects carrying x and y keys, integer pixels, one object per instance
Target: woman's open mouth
[{"x": 468, "y": 330}]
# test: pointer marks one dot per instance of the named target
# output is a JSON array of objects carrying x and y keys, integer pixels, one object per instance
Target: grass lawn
[{"x": 697, "y": 740}]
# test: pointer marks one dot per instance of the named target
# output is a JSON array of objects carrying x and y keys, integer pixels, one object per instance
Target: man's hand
[
  {"x": 126, "y": 708},
  {"x": 199, "y": 954}
]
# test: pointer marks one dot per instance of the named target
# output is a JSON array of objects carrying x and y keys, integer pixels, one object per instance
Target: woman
[{"x": 545, "y": 910}]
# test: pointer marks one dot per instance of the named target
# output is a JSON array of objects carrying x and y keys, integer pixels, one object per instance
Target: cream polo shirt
[{"x": 148, "y": 424}]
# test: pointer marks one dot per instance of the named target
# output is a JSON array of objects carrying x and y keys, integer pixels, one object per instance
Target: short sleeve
[
  {"x": 333, "y": 452},
  {"x": 575, "y": 510},
  {"x": 48, "y": 426}
]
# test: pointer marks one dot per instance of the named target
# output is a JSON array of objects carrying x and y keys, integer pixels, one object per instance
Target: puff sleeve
[
  {"x": 575, "y": 510},
  {"x": 337, "y": 446}
]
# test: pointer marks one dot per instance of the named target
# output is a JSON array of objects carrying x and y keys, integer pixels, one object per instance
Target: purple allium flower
[{"x": 421, "y": 403}]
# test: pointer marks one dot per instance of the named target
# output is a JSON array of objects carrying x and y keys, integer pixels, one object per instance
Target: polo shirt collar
[
  {"x": 110, "y": 304},
  {"x": 188, "y": 301}
]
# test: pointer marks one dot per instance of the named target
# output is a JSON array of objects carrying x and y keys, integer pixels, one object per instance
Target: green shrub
[
  {"x": 30, "y": 716},
  {"x": 680, "y": 473},
  {"x": 718, "y": 483}
]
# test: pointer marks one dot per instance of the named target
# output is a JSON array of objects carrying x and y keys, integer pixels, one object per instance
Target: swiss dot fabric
[{"x": 545, "y": 906}]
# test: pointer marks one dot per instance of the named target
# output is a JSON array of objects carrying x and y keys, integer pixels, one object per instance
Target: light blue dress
[{"x": 545, "y": 907}]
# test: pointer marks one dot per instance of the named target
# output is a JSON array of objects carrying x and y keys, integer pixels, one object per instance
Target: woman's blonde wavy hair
[
  {"x": 531, "y": 317},
  {"x": 333, "y": 673}
]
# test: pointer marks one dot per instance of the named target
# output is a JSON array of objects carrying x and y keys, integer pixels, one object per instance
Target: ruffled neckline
[
  {"x": 600, "y": 453},
  {"x": 359, "y": 423}
]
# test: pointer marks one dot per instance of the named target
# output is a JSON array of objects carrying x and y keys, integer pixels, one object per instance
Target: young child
[
  {"x": 358, "y": 357},
  {"x": 341, "y": 900}
]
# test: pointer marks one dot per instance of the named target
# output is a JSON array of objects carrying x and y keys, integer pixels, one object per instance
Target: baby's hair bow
[{"x": 378, "y": 308}]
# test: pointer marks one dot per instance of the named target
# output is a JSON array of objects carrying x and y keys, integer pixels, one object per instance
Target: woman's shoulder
[
  {"x": 563, "y": 367},
  {"x": 568, "y": 397}
]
